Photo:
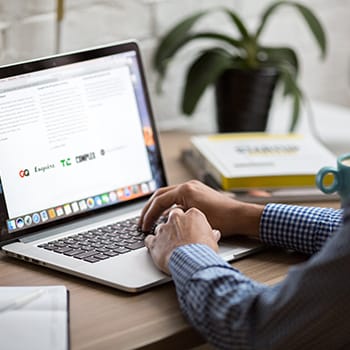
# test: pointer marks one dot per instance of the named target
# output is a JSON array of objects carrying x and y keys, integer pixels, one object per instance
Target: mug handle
[{"x": 334, "y": 186}]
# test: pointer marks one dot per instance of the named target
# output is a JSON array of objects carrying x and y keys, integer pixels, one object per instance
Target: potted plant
[{"x": 243, "y": 70}]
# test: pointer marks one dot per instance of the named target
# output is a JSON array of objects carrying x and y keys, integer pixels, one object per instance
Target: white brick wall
[{"x": 27, "y": 30}]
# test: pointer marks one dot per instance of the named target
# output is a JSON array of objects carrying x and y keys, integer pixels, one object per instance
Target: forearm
[
  {"x": 305, "y": 229},
  {"x": 309, "y": 310},
  {"x": 215, "y": 298}
]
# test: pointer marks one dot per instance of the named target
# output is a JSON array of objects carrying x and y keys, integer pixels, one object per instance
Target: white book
[
  {"x": 34, "y": 318},
  {"x": 261, "y": 160}
]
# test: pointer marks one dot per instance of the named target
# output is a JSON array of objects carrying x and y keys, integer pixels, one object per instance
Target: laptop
[{"x": 79, "y": 157}]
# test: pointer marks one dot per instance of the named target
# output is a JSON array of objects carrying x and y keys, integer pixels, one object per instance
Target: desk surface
[{"x": 105, "y": 318}]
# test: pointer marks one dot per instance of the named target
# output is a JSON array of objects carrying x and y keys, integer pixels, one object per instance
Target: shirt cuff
[{"x": 186, "y": 260}]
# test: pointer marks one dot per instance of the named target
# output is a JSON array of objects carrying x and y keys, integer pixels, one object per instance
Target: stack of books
[{"x": 260, "y": 166}]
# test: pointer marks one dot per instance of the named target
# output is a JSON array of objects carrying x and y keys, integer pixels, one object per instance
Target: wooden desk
[{"x": 105, "y": 318}]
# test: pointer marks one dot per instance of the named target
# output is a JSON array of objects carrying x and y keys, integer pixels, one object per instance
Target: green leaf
[
  {"x": 202, "y": 35},
  {"x": 291, "y": 89},
  {"x": 295, "y": 111},
  {"x": 239, "y": 24},
  {"x": 179, "y": 36},
  {"x": 203, "y": 72},
  {"x": 267, "y": 13},
  {"x": 281, "y": 55},
  {"x": 315, "y": 27},
  {"x": 172, "y": 41},
  {"x": 309, "y": 17},
  {"x": 212, "y": 35}
]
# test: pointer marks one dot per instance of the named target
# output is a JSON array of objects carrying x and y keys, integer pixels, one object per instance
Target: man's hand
[
  {"x": 225, "y": 214},
  {"x": 181, "y": 228}
]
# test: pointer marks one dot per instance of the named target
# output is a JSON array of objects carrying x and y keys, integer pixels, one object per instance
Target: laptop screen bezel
[{"x": 75, "y": 57}]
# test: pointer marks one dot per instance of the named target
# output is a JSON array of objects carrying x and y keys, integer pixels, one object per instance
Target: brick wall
[{"x": 27, "y": 30}]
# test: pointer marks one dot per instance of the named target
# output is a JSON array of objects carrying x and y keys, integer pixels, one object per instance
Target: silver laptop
[{"x": 79, "y": 157}]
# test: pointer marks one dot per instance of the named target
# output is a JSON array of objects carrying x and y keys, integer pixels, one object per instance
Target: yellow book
[{"x": 260, "y": 160}]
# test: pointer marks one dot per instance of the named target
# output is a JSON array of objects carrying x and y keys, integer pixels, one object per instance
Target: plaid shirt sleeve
[
  {"x": 231, "y": 311},
  {"x": 214, "y": 296},
  {"x": 305, "y": 229}
]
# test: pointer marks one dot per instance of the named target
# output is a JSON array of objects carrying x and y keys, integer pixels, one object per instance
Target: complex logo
[
  {"x": 23, "y": 173},
  {"x": 85, "y": 157}
]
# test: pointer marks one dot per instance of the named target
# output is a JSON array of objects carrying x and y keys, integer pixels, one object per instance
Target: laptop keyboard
[{"x": 100, "y": 243}]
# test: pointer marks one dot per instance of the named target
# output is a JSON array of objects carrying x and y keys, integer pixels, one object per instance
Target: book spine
[{"x": 205, "y": 165}]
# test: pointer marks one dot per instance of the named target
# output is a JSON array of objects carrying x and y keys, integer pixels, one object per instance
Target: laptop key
[
  {"x": 74, "y": 246},
  {"x": 47, "y": 246},
  {"x": 61, "y": 250},
  {"x": 85, "y": 255},
  {"x": 131, "y": 240},
  {"x": 59, "y": 244},
  {"x": 101, "y": 256},
  {"x": 102, "y": 249},
  {"x": 74, "y": 252},
  {"x": 140, "y": 238},
  {"x": 91, "y": 259},
  {"x": 135, "y": 245},
  {"x": 121, "y": 250},
  {"x": 87, "y": 248},
  {"x": 97, "y": 245},
  {"x": 111, "y": 253}
]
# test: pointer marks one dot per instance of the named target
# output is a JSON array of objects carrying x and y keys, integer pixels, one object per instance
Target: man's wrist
[{"x": 248, "y": 218}]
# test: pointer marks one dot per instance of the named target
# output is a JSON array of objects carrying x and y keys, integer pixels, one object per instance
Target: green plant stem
[{"x": 251, "y": 50}]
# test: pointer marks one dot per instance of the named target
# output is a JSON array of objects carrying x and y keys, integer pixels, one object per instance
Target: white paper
[{"x": 40, "y": 324}]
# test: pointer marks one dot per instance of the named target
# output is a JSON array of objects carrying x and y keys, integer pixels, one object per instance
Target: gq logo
[{"x": 23, "y": 173}]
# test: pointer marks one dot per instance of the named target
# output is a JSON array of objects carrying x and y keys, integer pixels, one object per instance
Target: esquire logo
[
  {"x": 37, "y": 169},
  {"x": 43, "y": 168}
]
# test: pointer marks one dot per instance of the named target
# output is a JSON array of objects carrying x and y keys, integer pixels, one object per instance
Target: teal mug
[{"x": 341, "y": 178}]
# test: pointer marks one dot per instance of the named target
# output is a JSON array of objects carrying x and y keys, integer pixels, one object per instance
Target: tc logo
[
  {"x": 23, "y": 173},
  {"x": 66, "y": 162}
]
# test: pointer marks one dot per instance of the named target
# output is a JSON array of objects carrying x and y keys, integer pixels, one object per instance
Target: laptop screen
[{"x": 76, "y": 136}]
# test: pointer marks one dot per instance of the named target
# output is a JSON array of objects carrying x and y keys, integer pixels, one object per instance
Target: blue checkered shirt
[{"x": 310, "y": 309}]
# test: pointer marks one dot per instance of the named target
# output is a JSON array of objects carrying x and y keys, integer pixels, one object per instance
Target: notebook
[
  {"x": 34, "y": 317},
  {"x": 79, "y": 151}
]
